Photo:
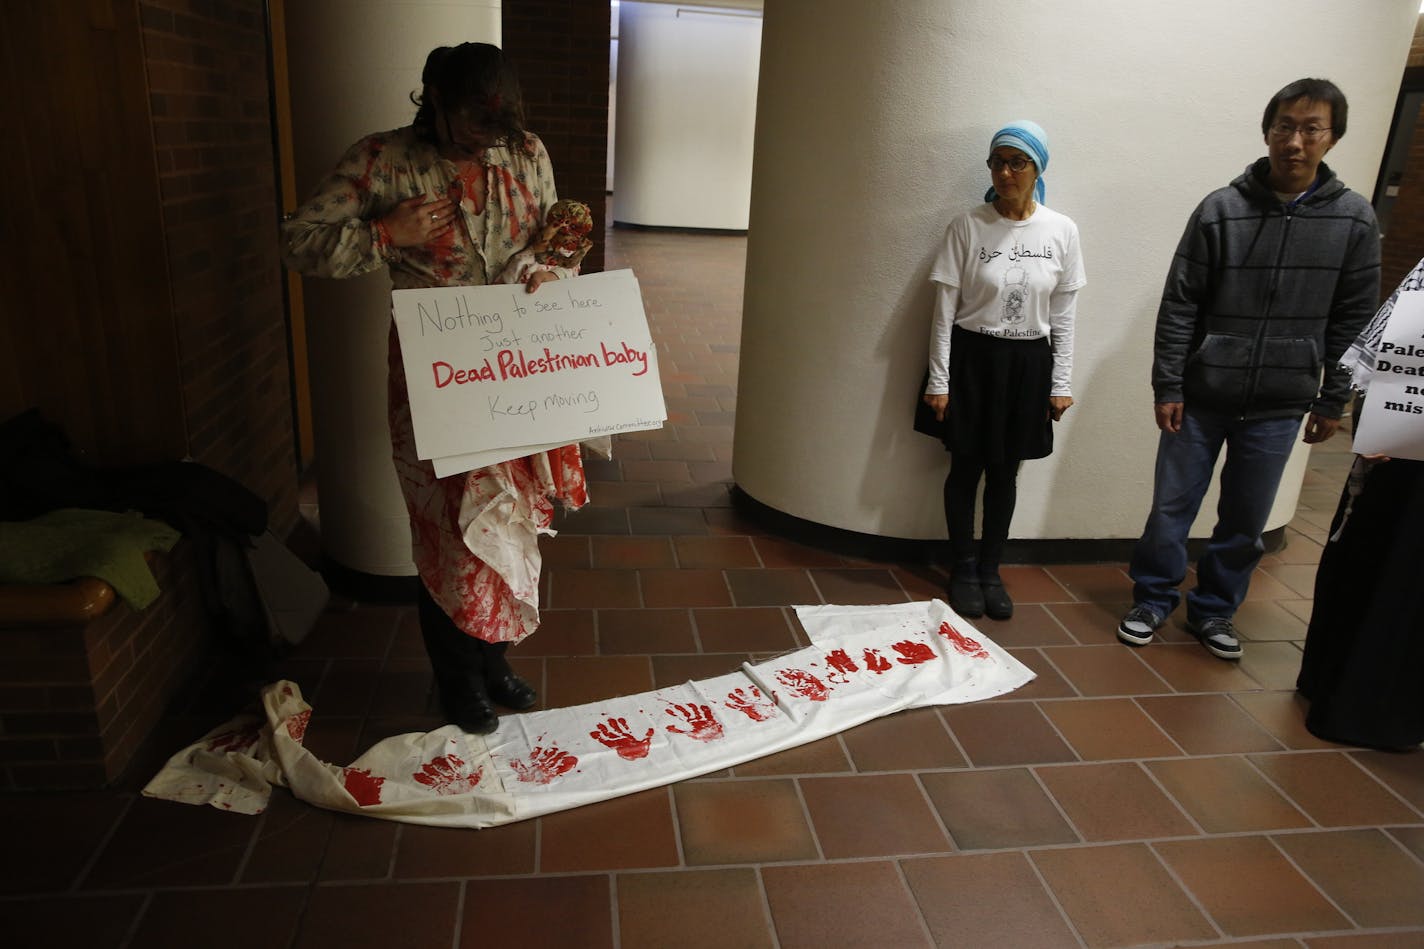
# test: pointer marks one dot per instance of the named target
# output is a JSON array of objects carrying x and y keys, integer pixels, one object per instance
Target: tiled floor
[{"x": 1125, "y": 797}]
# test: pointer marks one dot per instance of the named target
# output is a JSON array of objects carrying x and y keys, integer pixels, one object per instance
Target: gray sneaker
[
  {"x": 1139, "y": 625},
  {"x": 1218, "y": 635}
]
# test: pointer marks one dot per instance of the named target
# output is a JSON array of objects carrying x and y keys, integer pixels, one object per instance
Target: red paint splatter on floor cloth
[
  {"x": 362, "y": 785},
  {"x": 751, "y": 703},
  {"x": 912, "y": 654},
  {"x": 448, "y": 774},
  {"x": 962, "y": 643},
  {"x": 875, "y": 662},
  {"x": 803, "y": 684},
  {"x": 544, "y": 765},
  {"x": 616, "y": 734},
  {"x": 841, "y": 665},
  {"x": 702, "y": 724},
  {"x": 239, "y": 739}
]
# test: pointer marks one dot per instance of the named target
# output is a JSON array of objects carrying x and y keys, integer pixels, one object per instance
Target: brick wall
[
  {"x": 209, "y": 98},
  {"x": 560, "y": 48}
]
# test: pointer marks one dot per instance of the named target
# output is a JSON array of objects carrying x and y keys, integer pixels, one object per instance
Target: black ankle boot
[
  {"x": 965, "y": 595},
  {"x": 997, "y": 603},
  {"x": 503, "y": 685},
  {"x": 470, "y": 708}
]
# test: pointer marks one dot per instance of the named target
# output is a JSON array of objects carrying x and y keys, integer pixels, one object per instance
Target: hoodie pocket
[
  {"x": 1290, "y": 372},
  {"x": 1217, "y": 371}
]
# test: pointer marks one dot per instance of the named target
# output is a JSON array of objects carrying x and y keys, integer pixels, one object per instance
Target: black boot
[
  {"x": 997, "y": 603},
  {"x": 459, "y": 667},
  {"x": 965, "y": 595},
  {"x": 503, "y": 685}
]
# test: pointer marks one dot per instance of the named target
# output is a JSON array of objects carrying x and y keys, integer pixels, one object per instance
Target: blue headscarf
[{"x": 1029, "y": 138}]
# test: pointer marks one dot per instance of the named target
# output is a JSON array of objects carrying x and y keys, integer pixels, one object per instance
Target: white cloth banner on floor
[{"x": 864, "y": 662}]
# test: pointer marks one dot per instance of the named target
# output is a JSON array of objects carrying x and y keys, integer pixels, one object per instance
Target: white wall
[
  {"x": 353, "y": 66},
  {"x": 686, "y": 110},
  {"x": 873, "y": 123}
]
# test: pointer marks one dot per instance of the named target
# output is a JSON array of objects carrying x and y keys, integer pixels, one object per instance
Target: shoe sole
[
  {"x": 1216, "y": 651},
  {"x": 1133, "y": 639}
]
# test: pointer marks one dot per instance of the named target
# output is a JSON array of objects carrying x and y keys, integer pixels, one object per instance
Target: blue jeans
[{"x": 1256, "y": 455}]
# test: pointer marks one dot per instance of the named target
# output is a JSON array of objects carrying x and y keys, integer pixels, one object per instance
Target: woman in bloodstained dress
[{"x": 447, "y": 201}]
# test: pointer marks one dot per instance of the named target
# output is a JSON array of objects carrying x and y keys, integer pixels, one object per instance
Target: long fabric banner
[{"x": 864, "y": 662}]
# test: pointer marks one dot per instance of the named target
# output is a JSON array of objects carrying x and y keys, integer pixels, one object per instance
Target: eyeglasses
[
  {"x": 1015, "y": 165},
  {"x": 1285, "y": 131}
]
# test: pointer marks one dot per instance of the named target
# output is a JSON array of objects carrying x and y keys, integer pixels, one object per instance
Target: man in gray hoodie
[{"x": 1273, "y": 277}]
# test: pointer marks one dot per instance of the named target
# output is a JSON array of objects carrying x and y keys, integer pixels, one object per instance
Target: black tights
[
  {"x": 1000, "y": 494},
  {"x": 461, "y": 662}
]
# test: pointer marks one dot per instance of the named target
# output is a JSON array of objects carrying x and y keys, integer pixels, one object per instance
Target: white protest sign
[
  {"x": 495, "y": 370},
  {"x": 1393, "y": 420}
]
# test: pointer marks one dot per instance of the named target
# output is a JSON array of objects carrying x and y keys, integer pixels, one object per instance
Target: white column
[
  {"x": 873, "y": 123},
  {"x": 686, "y": 108},
  {"x": 354, "y": 64}
]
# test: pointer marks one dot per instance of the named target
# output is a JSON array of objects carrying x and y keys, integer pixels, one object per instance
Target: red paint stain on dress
[
  {"x": 875, "y": 662},
  {"x": 751, "y": 703},
  {"x": 362, "y": 785},
  {"x": 912, "y": 654},
  {"x": 544, "y": 765},
  {"x": 803, "y": 684},
  {"x": 616, "y": 734},
  {"x": 702, "y": 724},
  {"x": 448, "y": 774},
  {"x": 297, "y": 725},
  {"x": 962, "y": 643}
]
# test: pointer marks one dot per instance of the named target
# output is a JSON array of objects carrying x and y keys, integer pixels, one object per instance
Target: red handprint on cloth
[
  {"x": 297, "y": 725},
  {"x": 239, "y": 739},
  {"x": 448, "y": 774},
  {"x": 875, "y": 662},
  {"x": 702, "y": 724},
  {"x": 912, "y": 654},
  {"x": 751, "y": 703},
  {"x": 616, "y": 735},
  {"x": 962, "y": 643},
  {"x": 544, "y": 765},
  {"x": 803, "y": 684},
  {"x": 362, "y": 785},
  {"x": 841, "y": 665}
]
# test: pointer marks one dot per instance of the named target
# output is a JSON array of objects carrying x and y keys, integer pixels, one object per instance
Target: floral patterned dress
[{"x": 474, "y": 535}]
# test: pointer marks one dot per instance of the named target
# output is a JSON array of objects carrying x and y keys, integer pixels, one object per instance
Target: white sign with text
[
  {"x": 495, "y": 373},
  {"x": 1392, "y": 422}
]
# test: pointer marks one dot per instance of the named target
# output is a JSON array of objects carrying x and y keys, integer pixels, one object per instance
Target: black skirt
[{"x": 998, "y": 397}]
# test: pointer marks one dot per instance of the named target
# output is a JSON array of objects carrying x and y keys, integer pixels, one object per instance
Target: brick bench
[{"x": 84, "y": 677}]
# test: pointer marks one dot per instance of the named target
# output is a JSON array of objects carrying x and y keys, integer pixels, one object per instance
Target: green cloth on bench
[{"x": 69, "y": 543}]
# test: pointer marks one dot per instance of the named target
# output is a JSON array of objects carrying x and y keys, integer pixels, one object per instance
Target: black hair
[
  {"x": 1316, "y": 90},
  {"x": 475, "y": 79}
]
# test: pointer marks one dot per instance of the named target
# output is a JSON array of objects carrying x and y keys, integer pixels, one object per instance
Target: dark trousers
[
  {"x": 461, "y": 662},
  {"x": 1000, "y": 495}
]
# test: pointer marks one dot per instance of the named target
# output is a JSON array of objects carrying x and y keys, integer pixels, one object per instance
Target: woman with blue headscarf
[{"x": 1001, "y": 354}]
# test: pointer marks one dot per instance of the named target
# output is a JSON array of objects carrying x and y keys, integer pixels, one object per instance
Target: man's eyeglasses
[
  {"x": 1015, "y": 165},
  {"x": 1285, "y": 131}
]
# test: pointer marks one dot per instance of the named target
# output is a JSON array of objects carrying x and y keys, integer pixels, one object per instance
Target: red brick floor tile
[
  {"x": 693, "y": 909},
  {"x": 712, "y": 472},
  {"x": 364, "y": 633},
  {"x": 593, "y": 589},
  {"x": 667, "y": 521},
  {"x": 683, "y": 451},
  {"x": 457, "y": 852},
  {"x": 1364, "y": 872},
  {"x": 919, "y": 581},
  {"x": 629, "y": 553},
  {"x": 913, "y": 740},
  {"x": 1404, "y": 773},
  {"x": 848, "y": 586},
  {"x": 675, "y": 670},
  {"x": 842, "y": 904},
  {"x": 1299, "y": 578},
  {"x": 291, "y": 842},
  {"x": 624, "y": 632},
  {"x": 1098, "y": 583},
  {"x": 655, "y": 471},
  {"x": 1267, "y": 620},
  {"x": 825, "y": 756},
  {"x": 358, "y": 849},
  {"x": 380, "y": 914},
  {"x": 50, "y": 838},
  {"x": 546, "y": 912},
  {"x": 1005, "y": 733},
  {"x": 871, "y": 816},
  {"x": 1033, "y": 585},
  {"x": 1207, "y": 724},
  {"x": 582, "y": 679},
  {"x": 560, "y": 633},
  {"x": 1093, "y": 624},
  {"x": 565, "y": 550},
  {"x": 992, "y": 899},
  {"x": 744, "y": 629},
  {"x": 1411, "y": 939},
  {"x": 1226, "y": 795},
  {"x": 1108, "y": 728},
  {"x": 159, "y": 843},
  {"x": 1047, "y": 684},
  {"x": 1104, "y": 670},
  {"x": 1333, "y": 790},
  {"x": 704, "y": 496},
  {"x": 772, "y": 588},
  {"x": 777, "y": 553},
  {"x": 715, "y": 552},
  {"x": 62, "y": 921},
  {"x": 1247, "y": 887},
  {"x": 1188, "y": 667},
  {"x": 1273, "y": 665},
  {"x": 618, "y": 495},
  {"x": 592, "y": 520},
  {"x": 1411, "y": 839},
  {"x": 1266, "y": 586},
  {"x": 754, "y": 821},
  {"x": 625, "y": 832},
  {"x": 1088, "y": 884},
  {"x": 403, "y": 685},
  {"x": 1283, "y": 715},
  {"x": 996, "y": 809},
  {"x": 1114, "y": 801},
  {"x": 172, "y": 919},
  {"x": 684, "y": 588},
  {"x": 1031, "y": 625}
]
